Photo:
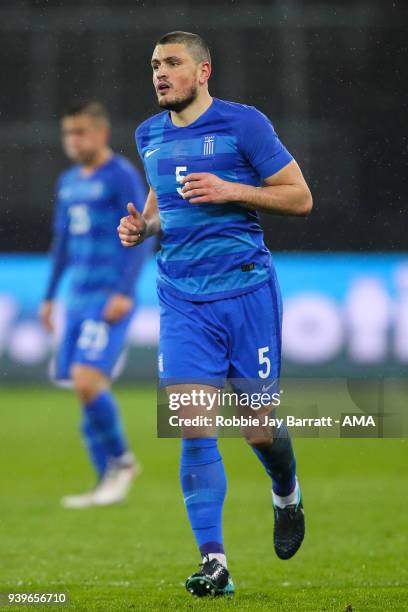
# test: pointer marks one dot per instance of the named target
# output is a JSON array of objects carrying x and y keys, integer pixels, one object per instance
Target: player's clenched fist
[
  {"x": 117, "y": 307},
  {"x": 206, "y": 188},
  {"x": 132, "y": 229}
]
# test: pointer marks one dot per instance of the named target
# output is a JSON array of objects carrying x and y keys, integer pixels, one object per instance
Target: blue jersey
[
  {"x": 88, "y": 211},
  {"x": 209, "y": 251}
]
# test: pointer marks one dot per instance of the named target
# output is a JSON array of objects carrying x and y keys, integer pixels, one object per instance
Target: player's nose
[{"x": 161, "y": 73}]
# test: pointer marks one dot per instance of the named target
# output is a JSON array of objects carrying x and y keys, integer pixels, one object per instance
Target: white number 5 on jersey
[
  {"x": 179, "y": 177},
  {"x": 265, "y": 361}
]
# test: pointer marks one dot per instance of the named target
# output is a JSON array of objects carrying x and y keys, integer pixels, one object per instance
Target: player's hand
[
  {"x": 45, "y": 314},
  {"x": 206, "y": 188},
  {"x": 132, "y": 229},
  {"x": 117, "y": 307}
]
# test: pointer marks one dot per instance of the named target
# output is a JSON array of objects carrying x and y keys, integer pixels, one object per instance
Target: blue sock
[
  {"x": 94, "y": 445},
  {"x": 204, "y": 485},
  {"x": 104, "y": 421},
  {"x": 279, "y": 461}
]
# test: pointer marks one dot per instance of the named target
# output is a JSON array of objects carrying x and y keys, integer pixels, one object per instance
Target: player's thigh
[
  {"x": 100, "y": 343},
  {"x": 257, "y": 335},
  {"x": 193, "y": 346}
]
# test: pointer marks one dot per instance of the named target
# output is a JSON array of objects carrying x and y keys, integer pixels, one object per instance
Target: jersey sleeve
[
  {"x": 132, "y": 188},
  {"x": 58, "y": 250},
  {"x": 261, "y": 145},
  {"x": 139, "y": 134}
]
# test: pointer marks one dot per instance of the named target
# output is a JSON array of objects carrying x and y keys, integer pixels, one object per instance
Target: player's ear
[
  {"x": 205, "y": 72},
  {"x": 108, "y": 133}
]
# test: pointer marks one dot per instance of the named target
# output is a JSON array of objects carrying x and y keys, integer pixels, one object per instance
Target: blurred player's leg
[
  {"x": 104, "y": 438},
  {"x": 100, "y": 409}
]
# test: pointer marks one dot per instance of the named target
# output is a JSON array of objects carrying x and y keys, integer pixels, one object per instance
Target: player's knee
[{"x": 88, "y": 382}]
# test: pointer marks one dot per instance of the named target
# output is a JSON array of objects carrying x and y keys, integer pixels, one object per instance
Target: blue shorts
[
  {"x": 90, "y": 340},
  {"x": 236, "y": 338}
]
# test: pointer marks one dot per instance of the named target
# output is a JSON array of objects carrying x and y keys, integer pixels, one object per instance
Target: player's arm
[
  {"x": 283, "y": 193},
  {"x": 130, "y": 262},
  {"x": 59, "y": 260},
  {"x": 136, "y": 227},
  {"x": 284, "y": 190}
]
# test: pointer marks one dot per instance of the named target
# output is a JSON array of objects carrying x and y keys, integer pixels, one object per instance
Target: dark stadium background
[{"x": 331, "y": 75}]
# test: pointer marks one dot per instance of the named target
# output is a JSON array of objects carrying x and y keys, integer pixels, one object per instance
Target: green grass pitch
[{"x": 136, "y": 556}]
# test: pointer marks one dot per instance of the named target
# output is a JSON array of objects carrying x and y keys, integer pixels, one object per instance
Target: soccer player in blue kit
[
  {"x": 211, "y": 166},
  {"x": 91, "y": 197}
]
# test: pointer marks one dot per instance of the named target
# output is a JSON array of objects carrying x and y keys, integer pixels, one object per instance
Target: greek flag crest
[{"x": 208, "y": 146}]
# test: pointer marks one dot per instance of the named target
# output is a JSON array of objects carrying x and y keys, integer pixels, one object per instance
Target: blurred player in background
[
  {"x": 211, "y": 165},
  {"x": 91, "y": 196}
]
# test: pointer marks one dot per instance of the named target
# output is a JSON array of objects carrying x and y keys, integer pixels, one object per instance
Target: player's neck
[
  {"x": 192, "y": 112},
  {"x": 99, "y": 160}
]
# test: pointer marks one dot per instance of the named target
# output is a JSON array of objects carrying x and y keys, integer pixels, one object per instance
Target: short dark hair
[
  {"x": 195, "y": 43},
  {"x": 93, "y": 108}
]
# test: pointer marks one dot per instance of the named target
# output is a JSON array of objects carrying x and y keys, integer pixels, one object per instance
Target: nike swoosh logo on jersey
[
  {"x": 266, "y": 388},
  {"x": 149, "y": 153}
]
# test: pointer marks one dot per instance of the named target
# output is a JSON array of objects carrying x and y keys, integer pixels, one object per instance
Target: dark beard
[{"x": 179, "y": 105}]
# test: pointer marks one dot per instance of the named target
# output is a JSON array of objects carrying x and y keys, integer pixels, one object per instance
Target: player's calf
[
  {"x": 279, "y": 461},
  {"x": 103, "y": 433}
]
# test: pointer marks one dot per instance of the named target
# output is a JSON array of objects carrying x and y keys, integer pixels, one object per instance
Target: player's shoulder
[
  {"x": 64, "y": 184},
  {"x": 66, "y": 178},
  {"x": 243, "y": 114},
  {"x": 144, "y": 128},
  {"x": 122, "y": 165},
  {"x": 68, "y": 174},
  {"x": 243, "y": 119}
]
